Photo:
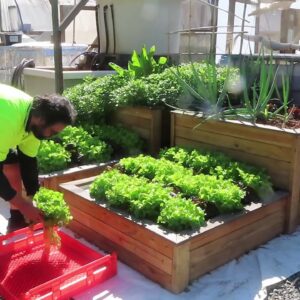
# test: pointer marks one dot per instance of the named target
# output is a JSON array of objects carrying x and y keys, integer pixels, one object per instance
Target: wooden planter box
[
  {"x": 275, "y": 149},
  {"x": 53, "y": 180},
  {"x": 172, "y": 260},
  {"x": 152, "y": 124}
]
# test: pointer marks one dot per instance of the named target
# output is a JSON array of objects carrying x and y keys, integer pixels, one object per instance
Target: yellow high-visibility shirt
[{"x": 15, "y": 106}]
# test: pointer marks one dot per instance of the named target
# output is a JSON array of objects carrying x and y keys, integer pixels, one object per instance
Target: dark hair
[{"x": 53, "y": 109}]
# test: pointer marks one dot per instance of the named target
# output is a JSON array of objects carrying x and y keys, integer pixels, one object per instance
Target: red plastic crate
[{"x": 29, "y": 271}]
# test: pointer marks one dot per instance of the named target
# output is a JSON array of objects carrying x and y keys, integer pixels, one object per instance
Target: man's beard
[{"x": 38, "y": 132}]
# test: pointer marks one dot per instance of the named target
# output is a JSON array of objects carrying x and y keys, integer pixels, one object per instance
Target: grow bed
[
  {"x": 29, "y": 270},
  {"x": 170, "y": 259},
  {"x": 277, "y": 150}
]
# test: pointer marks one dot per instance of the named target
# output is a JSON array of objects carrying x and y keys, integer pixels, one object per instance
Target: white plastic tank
[{"x": 138, "y": 23}]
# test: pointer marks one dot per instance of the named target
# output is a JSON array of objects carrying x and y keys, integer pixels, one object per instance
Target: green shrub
[{"x": 91, "y": 99}]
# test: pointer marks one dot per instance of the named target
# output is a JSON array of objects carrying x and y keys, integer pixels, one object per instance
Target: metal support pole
[
  {"x": 57, "y": 48},
  {"x": 243, "y": 27},
  {"x": 213, "y": 40}
]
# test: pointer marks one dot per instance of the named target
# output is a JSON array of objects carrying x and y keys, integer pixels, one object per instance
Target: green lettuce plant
[
  {"x": 55, "y": 212},
  {"x": 90, "y": 148},
  {"x": 222, "y": 166},
  {"x": 122, "y": 140},
  {"x": 225, "y": 195},
  {"x": 52, "y": 157},
  {"x": 144, "y": 199}
]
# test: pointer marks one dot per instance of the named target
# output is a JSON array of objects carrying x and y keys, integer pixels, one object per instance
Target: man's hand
[{"x": 27, "y": 209}]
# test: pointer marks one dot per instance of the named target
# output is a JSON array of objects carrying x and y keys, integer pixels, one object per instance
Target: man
[{"x": 24, "y": 121}]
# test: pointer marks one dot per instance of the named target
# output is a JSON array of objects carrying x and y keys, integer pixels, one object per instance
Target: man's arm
[
  {"x": 29, "y": 173},
  {"x": 9, "y": 194}
]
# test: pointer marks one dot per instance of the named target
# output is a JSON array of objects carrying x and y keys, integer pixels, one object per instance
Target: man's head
[{"x": 49, "y": 115}]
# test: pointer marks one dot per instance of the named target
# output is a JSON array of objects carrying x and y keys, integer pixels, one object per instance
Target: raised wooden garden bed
[
  {"x": 53, "y": 180},
  {"x": 173, "y": 260},
  {"x": 152, "y": 124},
  {"x": 275, "y": 149}
]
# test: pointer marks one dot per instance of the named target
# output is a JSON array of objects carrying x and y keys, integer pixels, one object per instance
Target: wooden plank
[
  {"x": 132, "y": 121},
  {"x": 243, "y": 221},
  {"x": 278, "y": 170},
  {"x": 232, "y": 237},
  {"x": 145, "y": 121},
  {"x": 52, "y": 181},
  {"x": 181, "y": 267},
  {"x": 293, "y": 204},
  {"x": 276, "y": 137},
  {"x": 140, "y": 111},
  {"x": 141, "y": 250},
  {"x": 233, "y": 251},
  {"x": 135, "y": 231},
  {"x": 236, "y": 143},
  {"x": 125, "y": 256}
]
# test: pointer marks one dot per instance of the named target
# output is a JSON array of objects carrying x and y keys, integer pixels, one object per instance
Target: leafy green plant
[
  {"x": 256, "y": 104},
  {"x": 122, "y": 140},
  {"x": 102, "y": 183},
  {"x": 91, "y": 148},
  {"x": 146, "y": 200},
  {"x": 154, "y": 90},
  {"x": 205, "y": 88},
  {"x": 142, "y": 64},
  {"x": 180, "y": 214},
  {"x": 52, "y": 157},
  {"x": 92, "y": 98},
  {"x": 225, "y": 195},
  {"x": 55, "y": 210},
  {"x": 283, "y": 111},
  {"x": 222, "y": 166}
]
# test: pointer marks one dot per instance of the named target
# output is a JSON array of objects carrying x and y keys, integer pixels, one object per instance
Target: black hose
[
  {"x": 105, "y": 8},
  {"x": 97, "y": 25},
  {"x": 113, "y": 26},
  {"x": 17, "y": 78}
]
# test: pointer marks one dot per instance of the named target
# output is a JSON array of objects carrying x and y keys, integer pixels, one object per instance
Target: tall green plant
[
  {"x": 142, "y": 64},
  {"x": 257, "y": 94},
  {"x": 284, "y": 96},
  {"x": 205, "y": 88}
]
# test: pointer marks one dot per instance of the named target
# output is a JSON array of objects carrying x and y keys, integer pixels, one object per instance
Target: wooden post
[
  {"x": 230, "y": 28},
  {"x": 172, "y": 131},
  {"x": 57, "y": 48},
  {"x": 181, "y": 267},
  {"x": 293, "y": 204}
]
